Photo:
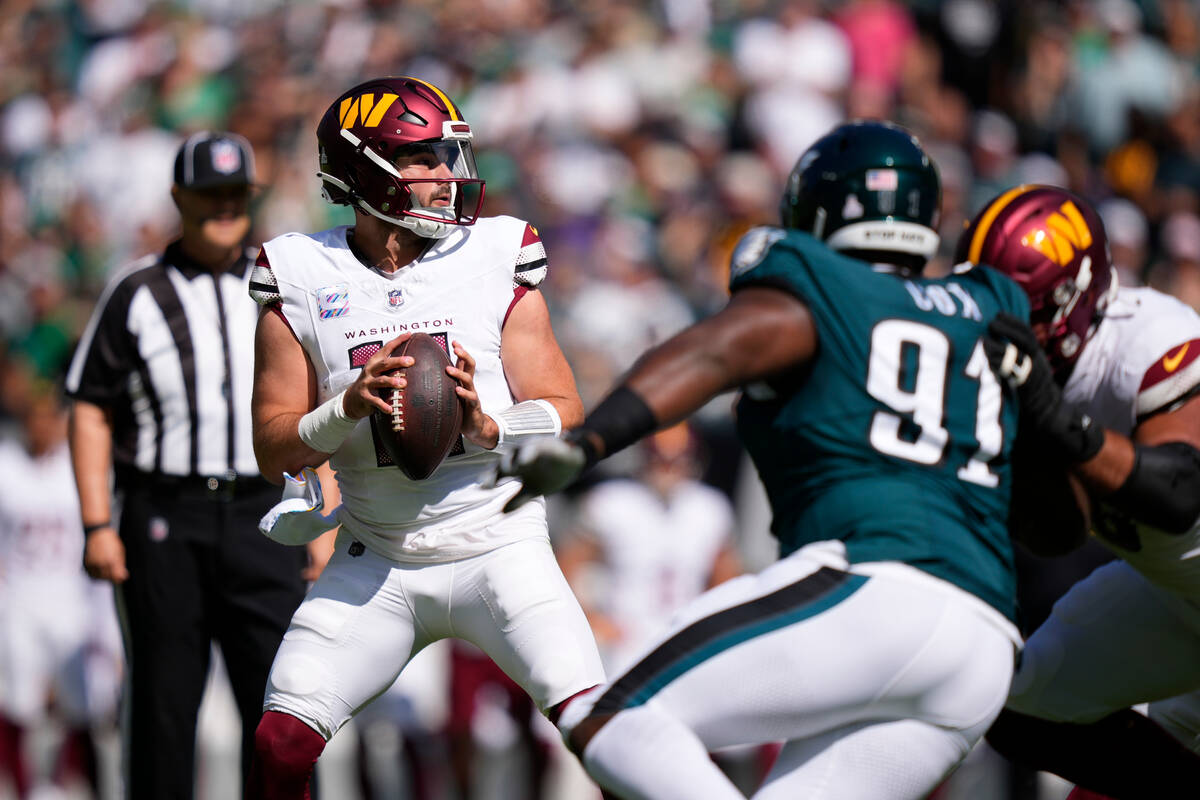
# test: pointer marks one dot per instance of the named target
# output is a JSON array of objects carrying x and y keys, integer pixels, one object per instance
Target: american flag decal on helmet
[{"x": 531, "y": 259}]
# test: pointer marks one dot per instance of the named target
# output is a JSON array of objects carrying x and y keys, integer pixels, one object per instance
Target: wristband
[
  {"x": 618, "y": 422},
  {"x": 327, "y": 426},
  {"x": 524, "y": 420},
  {"x": 88, "y": 530}
]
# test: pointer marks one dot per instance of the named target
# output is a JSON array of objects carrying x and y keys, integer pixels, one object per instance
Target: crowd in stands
[{"x": 641, "y": 137}]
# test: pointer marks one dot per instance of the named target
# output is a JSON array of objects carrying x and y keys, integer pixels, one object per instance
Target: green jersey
[{"x": 896, "y": 439}]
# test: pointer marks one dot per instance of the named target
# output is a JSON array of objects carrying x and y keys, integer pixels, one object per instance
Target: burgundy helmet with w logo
[
  {"x": 366, "y": 129},
  {"x": 1051, "y": 243}
]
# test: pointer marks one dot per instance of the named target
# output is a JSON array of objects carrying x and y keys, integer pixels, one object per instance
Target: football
[{"x": 426, "y": 414}]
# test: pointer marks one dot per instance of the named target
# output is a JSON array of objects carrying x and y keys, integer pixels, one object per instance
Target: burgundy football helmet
[
  {"x": 366, "y": 129},
  {"x": 1052, "y": 244}
]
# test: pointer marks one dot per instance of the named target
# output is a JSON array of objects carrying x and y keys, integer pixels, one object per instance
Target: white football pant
[
  {"x": 367, "y": 616},
  {"x": 879, "y": 681}
]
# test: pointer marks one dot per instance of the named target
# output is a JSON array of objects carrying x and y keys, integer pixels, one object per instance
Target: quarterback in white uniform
[
  {"x": 58, "y": 628},
  {"x": 415, "y": 561},
  {"x": 1127, "y": 424}
]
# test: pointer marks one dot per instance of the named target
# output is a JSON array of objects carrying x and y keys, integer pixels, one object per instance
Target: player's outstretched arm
[
  {"x": 290, "y": 431},
  {"x": 760, "y": 334}
]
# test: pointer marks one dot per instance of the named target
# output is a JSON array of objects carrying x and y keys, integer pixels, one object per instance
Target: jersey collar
[{"x": 191, "y": 269}]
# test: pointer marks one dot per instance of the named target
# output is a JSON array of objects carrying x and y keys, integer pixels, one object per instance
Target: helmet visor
[
  {"x": 453, "y": 158},
  {"x": 439, "y": 181}
]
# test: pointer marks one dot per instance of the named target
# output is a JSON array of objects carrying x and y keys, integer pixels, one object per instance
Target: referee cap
[{"x": 208, "y": 159}]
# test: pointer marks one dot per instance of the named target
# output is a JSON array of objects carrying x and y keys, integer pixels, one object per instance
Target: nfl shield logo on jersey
[{"x": 395, "y": 298}]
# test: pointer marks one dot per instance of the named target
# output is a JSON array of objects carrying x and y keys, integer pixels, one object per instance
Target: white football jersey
[
  {"x": 58, "y": 627},
  {"x": 342, "y": 312},
  {"x": 658, "y": 552},
  {"x": 1144, "y": 358},
  {"x": 41, "y": 536}
]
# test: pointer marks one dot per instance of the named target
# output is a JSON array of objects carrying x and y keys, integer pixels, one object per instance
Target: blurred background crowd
[{"x": 641, "y": 138}]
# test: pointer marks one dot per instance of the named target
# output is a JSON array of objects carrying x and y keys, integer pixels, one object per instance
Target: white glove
[
  {"x": 544, "y": 466},
  {"x": 297, "y": 518}
]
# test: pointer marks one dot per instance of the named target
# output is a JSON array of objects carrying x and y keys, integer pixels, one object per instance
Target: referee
[{"x": 161, "y": 384}]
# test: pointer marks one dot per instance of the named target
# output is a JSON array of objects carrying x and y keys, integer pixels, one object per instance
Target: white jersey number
[{"x": 920, "y": 399}]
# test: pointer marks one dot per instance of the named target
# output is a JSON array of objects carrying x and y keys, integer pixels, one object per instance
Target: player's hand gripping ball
[{"x": 426, "y": 414}]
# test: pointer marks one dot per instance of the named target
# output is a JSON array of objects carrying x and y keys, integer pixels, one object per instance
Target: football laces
[{"x": 398, "y": 410}]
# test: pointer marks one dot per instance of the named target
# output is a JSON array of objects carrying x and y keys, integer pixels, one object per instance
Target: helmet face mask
[
  {"x": 867, "y": 188},
  {"x": 1053, "y": 245},
  {"x": 399, "y": 150}
]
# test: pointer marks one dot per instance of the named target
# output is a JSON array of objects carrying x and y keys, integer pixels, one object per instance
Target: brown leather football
[{"x": 426, "y": 414}]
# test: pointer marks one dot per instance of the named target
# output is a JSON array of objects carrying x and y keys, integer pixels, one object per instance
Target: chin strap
[{"x": 425, "y": 228}]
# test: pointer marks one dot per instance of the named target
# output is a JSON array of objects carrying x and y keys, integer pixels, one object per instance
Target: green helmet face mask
[{"x": 867, "y": 187}]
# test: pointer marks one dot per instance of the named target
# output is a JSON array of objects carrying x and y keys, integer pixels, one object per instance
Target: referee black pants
[{"x": 199, "y": 571}]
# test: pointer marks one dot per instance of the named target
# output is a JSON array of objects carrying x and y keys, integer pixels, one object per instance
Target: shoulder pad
[
  {"x": 264, "y": 288},
  {"x": 531, "y": 259},
  {"x": 750, "y": 250},
  {"x": 1172, "y": 378}
]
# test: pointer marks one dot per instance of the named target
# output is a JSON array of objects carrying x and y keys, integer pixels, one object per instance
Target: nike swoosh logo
[{"x": 1171, "y": 363}]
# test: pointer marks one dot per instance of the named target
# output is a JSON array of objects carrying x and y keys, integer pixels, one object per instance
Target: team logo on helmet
[
  {"x": 1052, "y": 244},
  {"x": 1065, "y": 233},
  {"x": 365, "y": 108}
]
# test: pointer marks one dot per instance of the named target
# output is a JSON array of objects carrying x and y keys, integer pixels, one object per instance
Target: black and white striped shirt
[{"x": 169, "y": 350}]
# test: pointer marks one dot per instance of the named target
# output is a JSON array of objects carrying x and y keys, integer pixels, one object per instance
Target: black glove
[
  {"x": 1017, "y": 358},
  {"x": 544, "y": 465}
]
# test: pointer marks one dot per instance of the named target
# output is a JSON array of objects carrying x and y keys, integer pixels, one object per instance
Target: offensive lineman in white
[
  {"x": 1127, "y": 423},
  {"x": 415, "y": 561}
]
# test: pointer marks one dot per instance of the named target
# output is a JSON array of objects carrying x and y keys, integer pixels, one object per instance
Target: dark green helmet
[{"x": 868, "y": 188}]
